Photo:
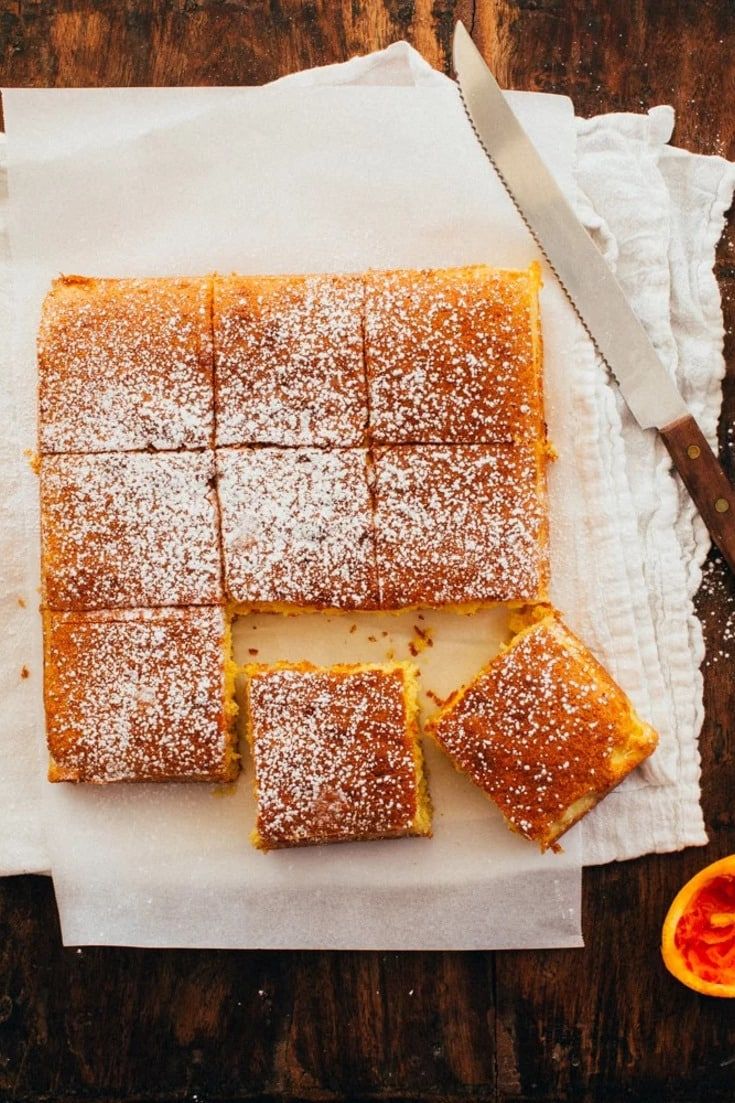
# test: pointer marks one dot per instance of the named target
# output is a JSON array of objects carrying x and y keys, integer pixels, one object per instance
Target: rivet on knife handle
[{"x": 705, "y": 480}]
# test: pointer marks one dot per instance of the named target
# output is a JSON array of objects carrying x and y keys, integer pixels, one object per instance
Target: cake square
[
  {"x": 289, "y": 361},
  {"x": 129, "y": 529},
  {"x": 461, "y": 525},
  {"x": 126, "y": 365},
  {"x": 543, "y": 730},
  {"x": 337, "y": 753},
  {"x": 454, "y": 356},
  {"x": 297, "y": 528},
  {"x": 140, "y": 695}
]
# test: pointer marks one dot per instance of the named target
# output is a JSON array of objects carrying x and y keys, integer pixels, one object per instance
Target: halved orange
[{"x": 698, "y": 937}]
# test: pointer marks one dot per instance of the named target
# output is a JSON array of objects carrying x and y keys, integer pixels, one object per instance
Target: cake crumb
[
  {"x": 24, "y": 671},
  {"x": 22, "y": 602},
  {"x": 421, "y": 641},
  {"x": 253, "y": 651},
  {"x": 34, "y": 460}
]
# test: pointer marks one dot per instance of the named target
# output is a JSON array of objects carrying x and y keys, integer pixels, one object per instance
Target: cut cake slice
[
  {"x": 454, "y": 355},
  {"x": 337, "y": 753},
  {"x": 140, "y": 695},
  {"x": 543, "y": 730}
]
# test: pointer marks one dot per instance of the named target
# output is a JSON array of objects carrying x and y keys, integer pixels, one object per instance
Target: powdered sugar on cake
[
  {"x": 289, "y": 361},
  {"x": 297, "y": 526},
  {"x": 126, "y": 365},
  {"x": 137, "y": 695},
  {"x": 536, "y": 729},
  {"x": 333, "y": 758},
  {"x": 130, "y": 529},
  {"x": 453, "y": 356},
  {"x": 460, "y": 524}
]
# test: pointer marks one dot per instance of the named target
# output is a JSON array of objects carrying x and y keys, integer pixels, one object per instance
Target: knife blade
[{"x": 593, "y": 291}]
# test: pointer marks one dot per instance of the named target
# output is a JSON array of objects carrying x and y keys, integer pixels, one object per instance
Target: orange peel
[{"x": 698, "y": 936}]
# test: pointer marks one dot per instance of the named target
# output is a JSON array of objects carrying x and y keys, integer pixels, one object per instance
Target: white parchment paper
[{"x": 172, "y": 181}]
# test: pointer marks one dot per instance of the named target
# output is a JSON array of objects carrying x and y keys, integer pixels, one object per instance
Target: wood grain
[{"x": 603, "y": 1024}]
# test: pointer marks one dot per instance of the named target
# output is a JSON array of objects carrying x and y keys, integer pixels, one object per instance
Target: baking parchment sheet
[{"x": 185, "y": 181}]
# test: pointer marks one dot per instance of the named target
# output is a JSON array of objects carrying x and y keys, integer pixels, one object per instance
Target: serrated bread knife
[{"x": 594, "y": 292}]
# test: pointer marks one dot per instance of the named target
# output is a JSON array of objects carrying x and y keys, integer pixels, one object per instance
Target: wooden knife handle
[{"x": 709, "y": 486}]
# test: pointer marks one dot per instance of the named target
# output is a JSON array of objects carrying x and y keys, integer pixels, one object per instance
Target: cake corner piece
[
  {"x": 136, "y": 695},
  {"x": 125, "y": 364},
  {"x": 543, "y": 729},
  {"x": 454, "y": 355}
]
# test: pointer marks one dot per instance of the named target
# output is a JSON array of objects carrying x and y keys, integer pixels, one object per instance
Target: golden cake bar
[
  {"x": 125, "y": 365},
  {"x": 297, "y": 528},
  {"x": 454, "y": 356},
  {"x": 543, "y": 730},
  {"x": 289, "y": 361},
  {"x": 129, "y": 529},
  {"x": 140, "y": 695},
  {"x": 461, "y": 525},
  {"x": 336, "y": 753}
]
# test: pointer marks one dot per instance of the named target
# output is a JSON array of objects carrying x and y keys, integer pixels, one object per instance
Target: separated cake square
[
  {"x": 336, "y": 752},
  {"x": 461, "y": 525},
  {"x": 543, "y": 730},
  {"x": 289, "y": 360},
  {"x": 454, "y": 356},
  {"x": 129, "y": 529},
  {"x": 126, "y": 365},
  {"x": 297, "y": 528},
  {"x": 140, "y": 695}
]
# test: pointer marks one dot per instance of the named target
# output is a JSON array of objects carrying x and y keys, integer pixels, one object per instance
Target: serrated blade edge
[{"x": 572, "y": 256}]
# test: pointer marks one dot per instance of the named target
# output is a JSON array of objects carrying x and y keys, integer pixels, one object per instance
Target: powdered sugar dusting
[
  {"x": 537, "y": 727},
  {"x": 126, "y": 365},
  {"x": 333, "y": 757},
  {"x": 137, "y": 695},
  {"x": 458, "y": 524},
  {"x": 289, "y": 360},
  {"x": 453, "y": 356},
  {"x": 297, "y": 526},
  {"x": 129, "y": 529}
]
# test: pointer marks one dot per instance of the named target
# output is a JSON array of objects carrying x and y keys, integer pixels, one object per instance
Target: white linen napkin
[{"x": 657, "y": 213}]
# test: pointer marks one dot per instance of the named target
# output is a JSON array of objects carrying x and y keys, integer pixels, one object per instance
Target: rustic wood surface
[{"x": 602, "y": 1024}]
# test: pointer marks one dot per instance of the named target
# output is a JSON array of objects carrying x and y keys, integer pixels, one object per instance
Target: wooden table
[{"x": 605, "y": 1023}]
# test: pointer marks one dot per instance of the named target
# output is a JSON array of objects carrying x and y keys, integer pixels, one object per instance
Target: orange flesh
[{"x": 705, "y": 934}]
